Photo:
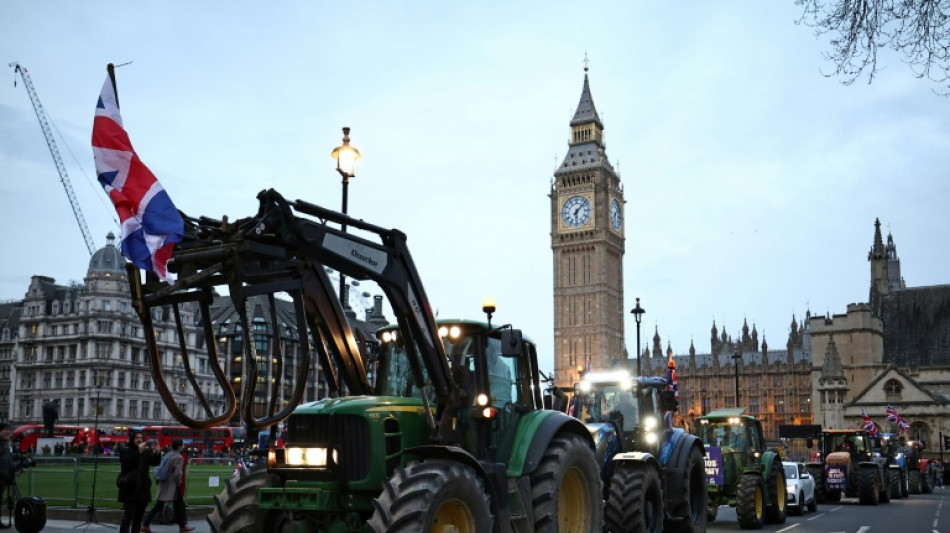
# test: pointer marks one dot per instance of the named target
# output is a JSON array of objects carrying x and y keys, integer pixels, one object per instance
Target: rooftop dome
[{"x": 108, "y": 258}]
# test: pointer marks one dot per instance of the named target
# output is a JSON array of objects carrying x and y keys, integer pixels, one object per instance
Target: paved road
[{"x": 70, "y": 526}]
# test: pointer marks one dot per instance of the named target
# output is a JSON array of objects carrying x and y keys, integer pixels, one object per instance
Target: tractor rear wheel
[
  {"x": 776, "y": 512},
  {"x": 434, "y": 495},
  {"x": 690, "y": 506},
  {"x": 928, "y": 479},
  {"x": 235, "y": 508},
  {"x": 894, "y": 479},
  {"x": 914, "y": 479},
  {"x": 819, "y": 475},
  {"x": 565, "y": 488},
  {"x": 750, "y": 501},
  {"x": 635, "y": 500},
  {"x": 869, "y": 485}
]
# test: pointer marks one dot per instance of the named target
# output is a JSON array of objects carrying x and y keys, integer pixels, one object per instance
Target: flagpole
[{"x": 110, "y": 68}]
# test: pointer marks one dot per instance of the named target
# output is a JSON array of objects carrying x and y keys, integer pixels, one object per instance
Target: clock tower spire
[{"x": 587, "y": 240}]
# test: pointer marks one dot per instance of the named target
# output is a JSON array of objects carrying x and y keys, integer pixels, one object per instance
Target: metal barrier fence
[{"x": 84, "y": 481}]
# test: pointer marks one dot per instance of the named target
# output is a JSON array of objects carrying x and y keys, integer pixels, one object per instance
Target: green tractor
[
  {"x": 740, "y": 471},
  {"x": 445, "y": 432}
]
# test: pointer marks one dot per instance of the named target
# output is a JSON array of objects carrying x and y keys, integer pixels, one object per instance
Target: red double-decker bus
[
  {"x": 25, "y": 437},
  {"x": 214, "y": 439}
]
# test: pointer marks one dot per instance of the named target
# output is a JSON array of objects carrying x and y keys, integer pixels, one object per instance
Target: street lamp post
[
  {"x": 346, "y": 157},
  {"x": 638, "y": 317},
  {"x": 736, "y": 358}
]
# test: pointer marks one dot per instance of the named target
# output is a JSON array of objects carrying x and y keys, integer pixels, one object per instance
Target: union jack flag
[
  {"x": 868, "y": 424},
  {"x": 892, "y": 415},
  {"x": 151, "y": 225},
  {"x": 903, "y": 425}
]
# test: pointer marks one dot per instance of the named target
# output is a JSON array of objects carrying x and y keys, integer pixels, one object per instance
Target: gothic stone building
[
  {"x": 893, "y": 350},
  {"x": 774, "y": 384}
]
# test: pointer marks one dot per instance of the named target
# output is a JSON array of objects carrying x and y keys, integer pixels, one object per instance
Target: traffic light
[{"x": 946, "y": 442}]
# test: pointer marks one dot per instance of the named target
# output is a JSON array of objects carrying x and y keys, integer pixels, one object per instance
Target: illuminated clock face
[
  {"x": 616, "y": 216},
  {"x": 576, "y": 211}
]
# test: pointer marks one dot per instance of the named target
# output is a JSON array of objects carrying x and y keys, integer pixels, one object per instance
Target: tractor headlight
[
  {"x": 309, "y": 456},
  {"x": 649, "y": 423},
  {"x": 651, "y": 437},
  {"x": 585, "y": 386}
]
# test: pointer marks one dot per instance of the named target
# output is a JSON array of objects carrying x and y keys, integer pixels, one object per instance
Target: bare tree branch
[{"x": 918, "y": 30}]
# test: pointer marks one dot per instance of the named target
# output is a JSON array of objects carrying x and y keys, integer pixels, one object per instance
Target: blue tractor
[{"x": 654, "y": 477}]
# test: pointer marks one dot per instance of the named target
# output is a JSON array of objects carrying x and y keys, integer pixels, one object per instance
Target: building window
[
  {"x": 893, "y": 390},
  {"x": 779, "y": 404}
]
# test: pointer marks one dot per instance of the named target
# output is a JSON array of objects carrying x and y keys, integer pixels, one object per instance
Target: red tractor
[{"x": 923, "y": 472}]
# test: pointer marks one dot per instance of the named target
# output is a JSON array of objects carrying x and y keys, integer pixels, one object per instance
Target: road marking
[
  {"x": 863, "y": 529},
  {"x": 816, "y": 516},
  {"x": 793, "y": 526}
]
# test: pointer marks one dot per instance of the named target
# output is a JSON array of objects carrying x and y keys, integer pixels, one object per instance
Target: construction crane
[{"x": 54, "y": 151}]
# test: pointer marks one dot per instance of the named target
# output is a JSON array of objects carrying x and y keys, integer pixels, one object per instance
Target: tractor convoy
[
  {"x": 653, "y": 474},
  {"x": 449, "y": 435}
]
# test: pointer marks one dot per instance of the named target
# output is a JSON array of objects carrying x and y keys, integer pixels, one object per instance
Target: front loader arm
[{"x": 278, "y": 251}]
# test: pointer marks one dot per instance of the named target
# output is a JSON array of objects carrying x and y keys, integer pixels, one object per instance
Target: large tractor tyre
[
  {"x": 885, "y": 495},
  {"x": 235, "y": 508},
  {"x": 750, "y": 501},
  {"x": 634, "y": 500},
  {"x": 434, "y": 495},
  {"x": 869, "y": 485},
  {"x": 690, "y": 506},
  {"x": 777, "y": 510},
  {"x": 818, "y": 474},
  {"x": 927, "y": 480},
  {"x": 913, "y": 478},
  {"x": 894, "y": 479},
  {"x": 905, "y": 483},
  {"x": 565, "y": 488}
]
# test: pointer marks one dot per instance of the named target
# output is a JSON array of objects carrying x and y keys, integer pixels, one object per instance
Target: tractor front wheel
[
  {"x": 635, "y": 500},
  {"x": 235, "y": 508},
  {"x": 435, "y": 495},
  {"x": 776, "y": 512},
  {"x": 750, "y": 501},
  {"x": 690, "y": 506},
  {"x": 818, "y": 473},
  {"x": 565, "y": 488},
  {"x": 869, "y": 485}
]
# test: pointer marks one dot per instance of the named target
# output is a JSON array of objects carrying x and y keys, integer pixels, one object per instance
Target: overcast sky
[{"x": 752, "y": 180}]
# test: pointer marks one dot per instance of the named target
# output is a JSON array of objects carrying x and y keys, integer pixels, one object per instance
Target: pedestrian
[
  {"x": 169, "y": 490},
  {"x": 7, "y": 471},
  {"x": 136, "y": 491}
]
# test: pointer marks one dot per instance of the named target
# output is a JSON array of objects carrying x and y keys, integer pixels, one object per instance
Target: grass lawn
[{"x": 68, "y": 481}]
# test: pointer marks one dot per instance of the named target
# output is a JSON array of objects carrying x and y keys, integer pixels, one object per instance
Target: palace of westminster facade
[{"x": 80, "y": 346}]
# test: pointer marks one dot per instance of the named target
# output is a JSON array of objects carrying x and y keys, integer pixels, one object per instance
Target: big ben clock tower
[{"x": 588, "y": 243}]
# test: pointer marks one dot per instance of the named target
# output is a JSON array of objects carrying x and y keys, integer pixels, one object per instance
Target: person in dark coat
[{"x": 136, "y": 459}]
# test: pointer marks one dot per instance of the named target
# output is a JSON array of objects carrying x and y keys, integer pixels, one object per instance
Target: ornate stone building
[
  {"x": 892, "y": 350},
  {"x": 773, "y": 384},
  {"x": 81, "y": 345},
  {"x": 587, "y": 238}
]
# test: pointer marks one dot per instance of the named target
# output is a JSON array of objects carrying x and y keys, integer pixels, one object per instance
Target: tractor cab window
[
  {"x": 395, "y": 374},
  {"x": 725, "y": 435}
]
